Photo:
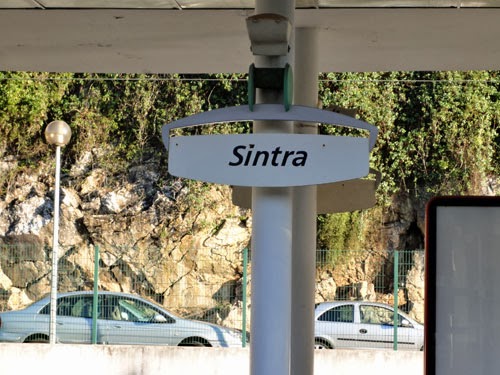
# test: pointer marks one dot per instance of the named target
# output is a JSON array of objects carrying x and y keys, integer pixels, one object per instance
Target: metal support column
[
  {"x": 304, "y": 214},
  {"x": 55, "y": 252},
  {"x": 271, "y": 240}
]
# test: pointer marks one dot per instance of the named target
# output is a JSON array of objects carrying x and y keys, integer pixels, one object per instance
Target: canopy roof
[
  {"x": 236, "y": 4},
  {"x": 187, "y": 36}
]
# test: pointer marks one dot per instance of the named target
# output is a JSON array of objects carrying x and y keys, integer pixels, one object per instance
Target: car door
[
  {"x": 376, "y": 329},
  {"x": 337, "y": 326},
  {"x": 132, "y": 321},
  {"x": 408, "y": 336},
  {"x": 74, "y": 319}
]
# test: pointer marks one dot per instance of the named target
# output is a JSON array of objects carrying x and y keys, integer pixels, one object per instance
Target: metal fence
[{"x": 212, "y": 288}]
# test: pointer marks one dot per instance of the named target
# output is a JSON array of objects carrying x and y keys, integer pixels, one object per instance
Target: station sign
[{"x": 269, "y": 160}]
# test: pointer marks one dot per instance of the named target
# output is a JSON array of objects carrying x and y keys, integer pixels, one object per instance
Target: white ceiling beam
[{"x": 207, "y": 41}]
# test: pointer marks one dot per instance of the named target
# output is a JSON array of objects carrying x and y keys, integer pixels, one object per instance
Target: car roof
[
  {"x": 45, "y": 299},
  {"x": 330, "y": 304}
]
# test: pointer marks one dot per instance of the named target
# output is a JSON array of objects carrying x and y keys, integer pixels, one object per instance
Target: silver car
[
  {"x": 121, "y": 319},
  {"x": 359, "y": 324}
]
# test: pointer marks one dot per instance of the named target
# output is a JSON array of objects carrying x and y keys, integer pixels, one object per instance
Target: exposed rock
[
  {"x": 93, "y": 182},
  {"x": 4, "y": 218},
  {"x": 235, "y": 317},
  {"x": 8, "y": 163},
  {"x": 415, "y": 287},
  {"x": 490, "y": 186},
  {"x": 115, "y": 202},
  {"x": 17, "y": 297},
  {"x": 82, "y": 165},
  {"x": 70, "y": 198},
  {"x": 326, "y": 288},
  {"x": 30, "y": 216},
  {"x": 157, "y": 240},
  {"x": 5, "y": 282}
]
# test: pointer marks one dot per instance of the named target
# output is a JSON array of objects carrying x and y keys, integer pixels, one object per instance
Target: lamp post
[{"x": 57, "y": 133}]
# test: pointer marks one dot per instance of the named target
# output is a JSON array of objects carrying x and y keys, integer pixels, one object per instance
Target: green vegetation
[
  {"x": 438, "y": 135},
  {"x": 438, "y": 130},
  {"x": 122, "y": 113}
]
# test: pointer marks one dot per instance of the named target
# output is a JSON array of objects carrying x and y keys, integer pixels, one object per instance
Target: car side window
[
  {"x": 402, "y": 319},
  {"x": 137, "y": 311},
  {"x": 111, "y": 308},
  {"x": 64, "y": 306},
  {"x": 341, "y": 314},
  {"x": 375, "y": 315},
  {"x": 130, "y": 310},
  {"x": 75, "y": 306},
  {"x": 82, "y": 306}
]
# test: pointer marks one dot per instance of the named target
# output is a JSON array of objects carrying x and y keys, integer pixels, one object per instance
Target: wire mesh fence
[
  {"x": 148, "y": 291},
  {"x": 367, "y": 286}
]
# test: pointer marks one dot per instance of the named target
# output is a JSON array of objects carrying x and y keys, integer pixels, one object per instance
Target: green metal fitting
[{"x": 270, "y": 79}]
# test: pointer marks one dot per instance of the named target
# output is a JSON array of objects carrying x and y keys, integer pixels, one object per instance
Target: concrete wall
[{"x": 141, "y": 360}]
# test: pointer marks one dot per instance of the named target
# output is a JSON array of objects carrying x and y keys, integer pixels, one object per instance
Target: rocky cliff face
[
  {"x": 170, "y": 240},
  {"x": 160, "y": 240}
]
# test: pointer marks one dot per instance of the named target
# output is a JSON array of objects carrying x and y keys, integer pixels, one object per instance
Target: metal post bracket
[
  {"x": 269, "y": 34},
  {"x": 270, "y": 79}
]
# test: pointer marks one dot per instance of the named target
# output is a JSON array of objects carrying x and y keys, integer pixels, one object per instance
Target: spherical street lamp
[{"x": 57, "y": 133}]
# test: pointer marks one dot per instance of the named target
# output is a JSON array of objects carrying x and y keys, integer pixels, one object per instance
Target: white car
[
  {"x": 121, "y": 319},
  {"x": 361, "y": 324}
]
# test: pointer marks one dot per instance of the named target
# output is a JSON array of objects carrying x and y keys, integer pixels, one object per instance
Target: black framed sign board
[{"x": 462, "y": 317}]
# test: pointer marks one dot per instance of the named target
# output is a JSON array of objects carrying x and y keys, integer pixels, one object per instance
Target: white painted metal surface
[
  {"x": 55, "y": 251},
  {"x": 270, "y": 112},
  {"x": 304, "y": 215},
  {"x": 165, "y": 41},
  {"x": 272, "y": 216},
  {"x": 235, "y": 4},
  {"x": 269, "y": 160}
]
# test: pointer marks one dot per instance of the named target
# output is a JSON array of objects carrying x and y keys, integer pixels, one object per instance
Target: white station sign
[
  {"x": 274, "y": 160},
  {"x": 269, "y": 160}
]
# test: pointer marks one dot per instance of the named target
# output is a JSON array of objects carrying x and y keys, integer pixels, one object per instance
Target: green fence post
[
  {"x": 244, "y": 298},
  {"x": 396, "y": 303},
  {"x": 95, "y": 300}
]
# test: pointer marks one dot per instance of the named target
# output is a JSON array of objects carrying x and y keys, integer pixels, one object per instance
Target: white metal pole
[
  {"x": 271, "y": 240},
  {"x": 271, "y": 281},
  {"x": 55, "y": 247},
  {"x": 304, "y": 214}
]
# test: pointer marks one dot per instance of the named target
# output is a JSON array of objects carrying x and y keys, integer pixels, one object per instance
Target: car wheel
[
  {"x": 37, "y": 338},
  {"x": 322, "y": 344},
  {"x": 194, "y": 341}
]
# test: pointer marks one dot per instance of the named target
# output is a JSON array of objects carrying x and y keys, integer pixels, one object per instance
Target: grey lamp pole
[{"x": 57, "y": 133}]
